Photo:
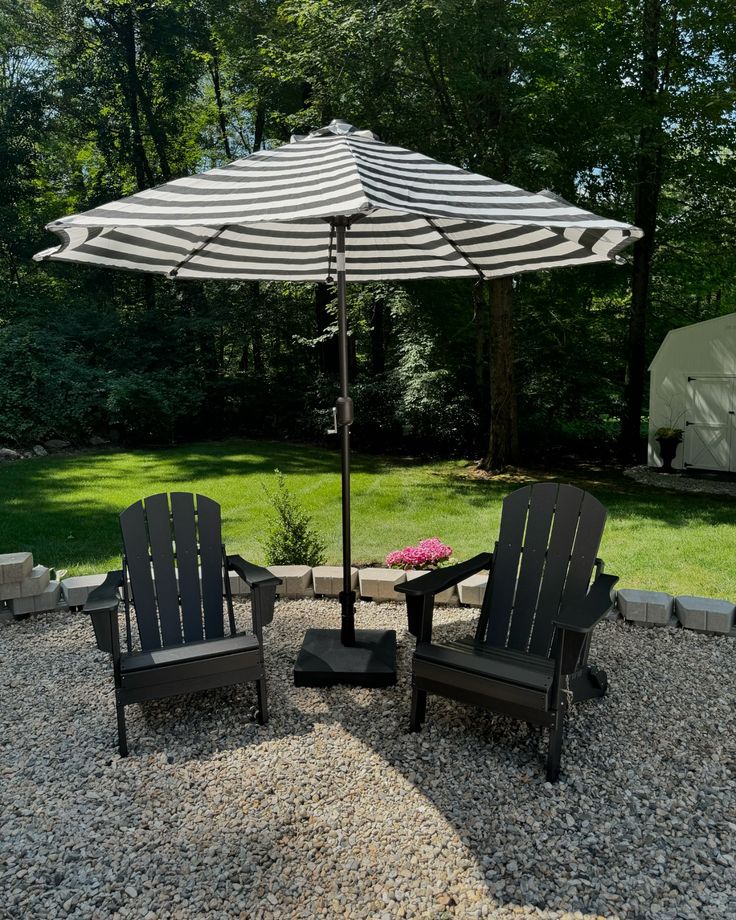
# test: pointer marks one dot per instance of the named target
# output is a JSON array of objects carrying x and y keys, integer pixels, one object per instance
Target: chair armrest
[
  {"x": 105, "y": 596},
  {"x": 582, "y": 617},
  {"x": 441, "y": 579},
  {"x": 102, "y": 606},
  {"x": 251, "y": 574}
]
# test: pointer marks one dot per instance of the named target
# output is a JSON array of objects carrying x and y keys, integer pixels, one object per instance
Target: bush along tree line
[{"x": 625, "y": 108}]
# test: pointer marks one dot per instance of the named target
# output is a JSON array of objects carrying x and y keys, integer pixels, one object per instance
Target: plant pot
[{"x": 668, "y": 451}]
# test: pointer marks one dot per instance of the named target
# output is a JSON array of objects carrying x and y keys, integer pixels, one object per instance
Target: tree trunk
[
  {"x": 158, "y": 134},
  {"x": 221, "y": 121},
  {"x": 481, "y": 364},
  {"x": 141, "y": 166},
  {"x": 378, "y": 335},
  {"x": 329, "y": 361},
  {"x": 646, "y": 205},
  {"x": 259, "y": 127},
  {"x": 503, "y": 441}
]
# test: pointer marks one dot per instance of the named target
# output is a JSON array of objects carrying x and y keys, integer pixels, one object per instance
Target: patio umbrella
[{"x": 338, "y": 203}]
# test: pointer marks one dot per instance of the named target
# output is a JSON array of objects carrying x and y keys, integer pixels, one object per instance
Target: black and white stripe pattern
[{"x": 267, "y": 216}]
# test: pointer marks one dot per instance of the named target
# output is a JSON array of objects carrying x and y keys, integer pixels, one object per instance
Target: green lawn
[{"x": 64, "y": 509}]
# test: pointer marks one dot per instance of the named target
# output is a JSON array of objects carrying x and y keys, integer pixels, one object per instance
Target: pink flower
[{"x": 427, "y": 553}]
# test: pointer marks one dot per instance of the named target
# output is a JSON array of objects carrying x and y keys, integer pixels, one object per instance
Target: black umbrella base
[{"x": 325, "y": 662}]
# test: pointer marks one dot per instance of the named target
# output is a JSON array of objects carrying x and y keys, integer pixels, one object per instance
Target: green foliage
[
  {"x": 150, "y": 406},
  {"x": 668, "y": 434},
  {"x": 101, "y": 97},
  {"x": 48, "y": 387},
  {"x": 291, "y": 539}
]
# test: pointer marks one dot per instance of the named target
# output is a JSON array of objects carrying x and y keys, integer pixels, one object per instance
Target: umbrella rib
[
  {"x": 197, "y": 250},
  {"x": 454, "y": 245}
]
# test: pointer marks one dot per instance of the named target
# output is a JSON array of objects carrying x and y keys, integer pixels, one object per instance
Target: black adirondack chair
[
  {"x": 528, "y": 658},
  {"x": 175, "y": 574}
]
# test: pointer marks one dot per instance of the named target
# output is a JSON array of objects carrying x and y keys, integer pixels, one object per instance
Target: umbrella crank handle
[{"x": 342, "y": 414}]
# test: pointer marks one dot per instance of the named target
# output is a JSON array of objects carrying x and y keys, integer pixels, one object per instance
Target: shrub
[
  {"x": 291, "y": 540},
  {"x": 428, "y": 554}
]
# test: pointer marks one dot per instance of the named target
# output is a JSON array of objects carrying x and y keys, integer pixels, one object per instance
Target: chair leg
[
  {"x": 554, "y": 752},
  {"x": 122, "y": 734},
  {"x": 262, "y": 701},
  {"x": 418, "y": 709},
  {"x": 588, "y": 683}
]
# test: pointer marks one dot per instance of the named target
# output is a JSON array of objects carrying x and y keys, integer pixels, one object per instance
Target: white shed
[{"x": 693, "y": 387}]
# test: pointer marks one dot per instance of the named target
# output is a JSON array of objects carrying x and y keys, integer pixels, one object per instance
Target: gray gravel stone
[{"x": 334, "y": 810}]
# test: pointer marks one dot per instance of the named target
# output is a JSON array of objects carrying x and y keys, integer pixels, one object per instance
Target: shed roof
[{"x": 673, "y": 333}]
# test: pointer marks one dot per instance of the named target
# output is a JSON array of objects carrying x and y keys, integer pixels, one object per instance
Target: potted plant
[{"x": 668, "y": 440}]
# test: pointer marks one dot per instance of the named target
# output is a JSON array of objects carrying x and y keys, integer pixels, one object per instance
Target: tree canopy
[{"x": 626, "y": 108}]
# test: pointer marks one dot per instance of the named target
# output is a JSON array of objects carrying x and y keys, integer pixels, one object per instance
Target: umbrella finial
[{"x": 340, "y": 128}]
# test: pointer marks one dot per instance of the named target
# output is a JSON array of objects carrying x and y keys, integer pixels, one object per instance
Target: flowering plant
[{"x": 427, "y": 554}]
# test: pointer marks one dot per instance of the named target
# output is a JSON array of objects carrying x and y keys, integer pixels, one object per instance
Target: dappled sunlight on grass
[{"x": 64, "y": 508}]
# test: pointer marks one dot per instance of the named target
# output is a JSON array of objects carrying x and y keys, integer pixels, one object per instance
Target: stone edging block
[
  {"x": 76, "y": 588},
  {"x": 653, "y": 608},
  {"x": 36, "y": 582},
  {"x": 327, "y": 579},
  {"x": 296, "y": 580},
  {"x": 379, "y": 584},
  {"x": 14, "y": 568},
  {"x": 705, "y": 614},
  {"x": 472, "y": 589},
  {"x": 47, "y": 600}
]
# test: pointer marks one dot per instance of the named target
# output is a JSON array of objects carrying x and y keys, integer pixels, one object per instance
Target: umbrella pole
[
  {"x": 328, "y": 657},
  {"x": 344, "y": 414}
]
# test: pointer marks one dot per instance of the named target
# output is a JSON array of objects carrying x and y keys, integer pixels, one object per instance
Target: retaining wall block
[
  {"x": 472, "y": 589},
  {"x": 448, "y": 597},
  {"x": 296, "y": 580},
  {"x": 77, "y": 588},
  {"x": 238, "y": 587},
  {"x": 36, "y": 582},
  {"x": 14, "y": 567},
  {"x": 379, "y": 584},
  {"x": 47, "y": 600},
  {"x": 327, "y": 579},
  {"x": 10, "y": 591},
  {"x": 705, "y": 614},
  {"x": 653, "y": 608}
]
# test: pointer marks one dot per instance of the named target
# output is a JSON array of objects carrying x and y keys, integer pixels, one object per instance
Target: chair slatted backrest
[
  {"x": 547, "y": 546},
  {"x": 166, "y": 542}
]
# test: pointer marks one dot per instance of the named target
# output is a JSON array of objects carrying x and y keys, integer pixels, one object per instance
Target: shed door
[{"x": 709, "y": 427}]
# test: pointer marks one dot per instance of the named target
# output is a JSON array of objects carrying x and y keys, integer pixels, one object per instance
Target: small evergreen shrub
[{"x": 291, "y": 539}]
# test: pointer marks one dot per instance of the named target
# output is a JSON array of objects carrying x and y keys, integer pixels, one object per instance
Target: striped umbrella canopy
[
  {"x": 268, "y": 216},
  {"x": 338, "y": 202}
]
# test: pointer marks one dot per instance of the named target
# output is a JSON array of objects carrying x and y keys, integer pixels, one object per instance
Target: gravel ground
[
  {"x": 334, "y": 810},
  {"x": 681, "y": 483}
]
